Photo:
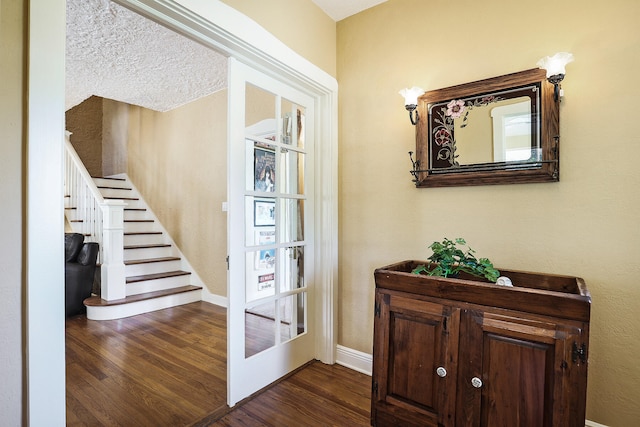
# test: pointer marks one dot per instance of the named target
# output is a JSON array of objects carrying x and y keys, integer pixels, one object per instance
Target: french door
[{"x": 270, "y": 232}]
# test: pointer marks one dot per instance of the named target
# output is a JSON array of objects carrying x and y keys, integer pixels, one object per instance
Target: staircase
[{"x": 157, "y": 275}]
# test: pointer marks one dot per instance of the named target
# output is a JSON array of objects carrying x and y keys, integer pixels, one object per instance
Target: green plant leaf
[
  {"x": 420, "y": 269},
  {"x": 450, "y": 260}
]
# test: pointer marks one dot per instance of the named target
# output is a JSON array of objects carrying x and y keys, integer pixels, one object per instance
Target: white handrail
[
  {"x": 81, "y": 169},
  {"x": 83, "y": 196}
]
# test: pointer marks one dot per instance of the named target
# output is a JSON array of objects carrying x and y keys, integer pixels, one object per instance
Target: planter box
[{"x": 547, "y": 294}]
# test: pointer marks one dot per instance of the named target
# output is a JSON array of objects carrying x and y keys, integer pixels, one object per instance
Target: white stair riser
[
  {"x": 136, "y": 215},
  {"x": 71, "y": 214},
  {"x": 151, "y": 268},
  {"x": 120, "y": 193},
  {"x": 126, "y": 310},
  {"x": 132, "y": 204},
  {"x": 143, "y": 239},
  {"x": 157, "y": 284},
  {"x": 130, "y": 254},
  {"x": 134, "y": 227},
  {"x": 101, "y": 182}
]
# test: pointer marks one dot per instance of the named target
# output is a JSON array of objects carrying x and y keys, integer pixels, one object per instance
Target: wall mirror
[{"x": 503, "y": 130}]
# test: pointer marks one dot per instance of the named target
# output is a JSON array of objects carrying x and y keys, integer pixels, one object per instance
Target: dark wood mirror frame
[{"x": 546, "y": 169}]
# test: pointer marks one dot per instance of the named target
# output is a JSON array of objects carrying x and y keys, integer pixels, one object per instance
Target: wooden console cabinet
[{"x": 459, "y": 352}]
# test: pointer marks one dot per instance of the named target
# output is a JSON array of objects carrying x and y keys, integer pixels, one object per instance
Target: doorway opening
[
  {"x": 215, "y": 25},
  {"x": 156, "y": 112}
]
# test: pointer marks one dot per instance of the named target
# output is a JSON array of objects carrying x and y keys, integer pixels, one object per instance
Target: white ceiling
[
  {"x": 117, "y": 54},
  {"x": 340, "y": 9}
]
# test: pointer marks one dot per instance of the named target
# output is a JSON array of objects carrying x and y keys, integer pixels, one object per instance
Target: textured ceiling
[
  {"x": 340, "y": 9},
  {"x": 117, "y": 54}
]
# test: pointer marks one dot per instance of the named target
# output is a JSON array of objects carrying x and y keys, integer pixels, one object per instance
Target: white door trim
[
  {"x": 44, "y": 216},
  {"x": 210, "y": 22}
]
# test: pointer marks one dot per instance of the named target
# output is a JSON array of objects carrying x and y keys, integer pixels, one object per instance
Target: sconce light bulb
[
  {"x": 411, "y": 102},
  {"x": 555, "y": 64},
  {"x": 411, "y": 95}
]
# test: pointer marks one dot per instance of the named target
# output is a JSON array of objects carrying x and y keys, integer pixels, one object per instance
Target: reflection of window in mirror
[
  {"x": 473, "y": 136},
  {"x": 512, "y": 132}
]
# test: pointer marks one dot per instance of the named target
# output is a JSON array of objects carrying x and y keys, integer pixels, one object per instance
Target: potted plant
[{"x": 449, "y": 260}]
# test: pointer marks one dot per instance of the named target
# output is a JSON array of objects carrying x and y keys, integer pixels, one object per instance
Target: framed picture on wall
[
  {"x": 266, "y": 281},
  {"x": 264, "y": 169},
  {"x": 265, "y": 236},
  {"x": 265, "y": 259},
  {"x": 264, "y": 213}
]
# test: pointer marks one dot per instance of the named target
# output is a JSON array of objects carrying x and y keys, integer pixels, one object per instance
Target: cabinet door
[
  {"x": 519, "y": 372},
  {"x": 415, "y": 349}
]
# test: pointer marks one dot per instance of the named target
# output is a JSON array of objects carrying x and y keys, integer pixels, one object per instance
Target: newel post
[{"x": 113, "y": 276}]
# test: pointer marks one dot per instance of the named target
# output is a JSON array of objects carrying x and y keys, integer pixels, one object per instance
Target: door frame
[{"x": 216, "y": 25}]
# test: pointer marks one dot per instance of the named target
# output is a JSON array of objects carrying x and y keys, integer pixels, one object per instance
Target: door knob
[
  {"x": 476, "y": 382},
  {"x": 441, "y": 372}
]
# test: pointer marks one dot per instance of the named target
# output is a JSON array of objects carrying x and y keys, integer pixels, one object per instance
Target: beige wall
[
  {"x": 585, "y": 225},
  {"x": 178, "y": 161},
  {"x": 115, "y": 126},
  {"x": 12, "y": 42},
  {"x": 99, "y": 134},
  {"x": 301, "y": 25},
  {"x": 84, "y": 121}
]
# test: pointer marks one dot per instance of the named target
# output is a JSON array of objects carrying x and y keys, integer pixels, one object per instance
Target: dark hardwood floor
[
  {"x": 315, "y": 395},
  {"x": 168, "y": 368},
  {"x": 162, "y": 368}
]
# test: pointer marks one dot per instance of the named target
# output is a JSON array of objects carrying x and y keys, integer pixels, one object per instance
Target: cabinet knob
[
  {"x": 441, "y": 372},
  {"x": 476, "y": 382}
]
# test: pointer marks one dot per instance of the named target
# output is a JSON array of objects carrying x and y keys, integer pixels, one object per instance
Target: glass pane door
[{"x": 270, "y": 241}]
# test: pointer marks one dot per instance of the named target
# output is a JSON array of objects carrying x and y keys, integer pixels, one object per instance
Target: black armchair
[{"x": 79, "y": 269}]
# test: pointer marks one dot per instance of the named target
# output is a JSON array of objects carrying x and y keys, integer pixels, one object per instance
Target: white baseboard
[
  {"x": 363, "y": 362},
  {"x": 213, "y": 298},
  {"x": 120, "y": 311},
  {"x": 354, "y": 359}
]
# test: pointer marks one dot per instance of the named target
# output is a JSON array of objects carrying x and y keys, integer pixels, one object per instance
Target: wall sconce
[
  {"x": 411, "y": 101},
  {"x": 555, "y": 70}
]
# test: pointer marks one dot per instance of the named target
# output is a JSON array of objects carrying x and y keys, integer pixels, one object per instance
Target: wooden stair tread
[
  {"x": 141, "y": 233},
  {"x": 135, "y": 209},
  {"x": 108, "y": 177},
  {"x": 114, "y": 188},
  {"x": 99, "y": 302},
  {"x": 159, "y": 245},
  {"x": 120, "y": 198},
  {"x": 167, "y": 274},
  {"x": 138, "y": 220},
  {"x": 151, "y": 260}
]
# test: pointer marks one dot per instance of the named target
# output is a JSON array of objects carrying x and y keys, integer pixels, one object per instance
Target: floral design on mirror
[{"x": 444, "y": 120}]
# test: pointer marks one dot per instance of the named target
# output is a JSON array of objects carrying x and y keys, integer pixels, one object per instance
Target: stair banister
[
  {"x": 112, "y": 271},
  {"x": 102, "y": 222}
]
